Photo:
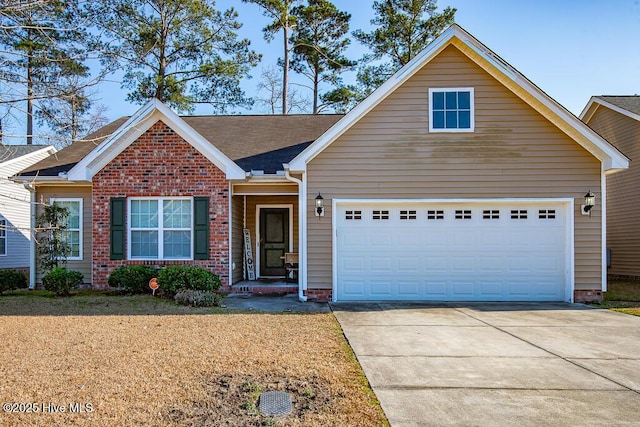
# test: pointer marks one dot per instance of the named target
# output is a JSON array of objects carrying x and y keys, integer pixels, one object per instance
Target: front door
[{"x": 274, "y": 240}]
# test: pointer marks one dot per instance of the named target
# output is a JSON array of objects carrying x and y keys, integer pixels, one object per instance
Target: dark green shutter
[
  {"x": 117, "y": 227},
  {"x": 201, "y": 228}
]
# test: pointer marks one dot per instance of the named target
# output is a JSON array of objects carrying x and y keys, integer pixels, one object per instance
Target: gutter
[
  {"x": 32, "y": 236},
  {"x": 302, "y": 214}
]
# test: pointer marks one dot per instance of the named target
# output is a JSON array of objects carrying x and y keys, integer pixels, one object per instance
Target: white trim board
[{"x": 567, "y": 203}]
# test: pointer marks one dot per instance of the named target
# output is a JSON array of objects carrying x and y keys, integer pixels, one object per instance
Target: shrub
[
  {"x": 62, "y": 281},
  {"x": 197, "y": 298},
  {"x": 12, "y": 279},
  {"x": 133, "y": 278},
  {"x": 181, "y": 277}
]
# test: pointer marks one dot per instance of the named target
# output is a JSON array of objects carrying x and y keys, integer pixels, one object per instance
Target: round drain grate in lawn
[{"x": 275, "y": 403}]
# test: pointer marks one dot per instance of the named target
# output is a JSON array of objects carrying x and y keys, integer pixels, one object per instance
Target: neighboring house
[
  {"x": 457, "y": 179},
  {"x": 15, "y": 203},
  {"x": 617, "y": 119}
]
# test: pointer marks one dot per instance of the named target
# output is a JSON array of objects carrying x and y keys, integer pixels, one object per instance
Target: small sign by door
[{"x": 248, "y": 255}]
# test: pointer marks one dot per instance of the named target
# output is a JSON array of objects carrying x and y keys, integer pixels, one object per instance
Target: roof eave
[{"x": 139, "y": 123}]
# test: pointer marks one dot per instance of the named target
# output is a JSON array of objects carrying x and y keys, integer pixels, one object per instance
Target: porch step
[{"x": 245, "y": 288}]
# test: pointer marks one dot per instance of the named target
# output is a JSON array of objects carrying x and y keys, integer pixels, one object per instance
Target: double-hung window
[
  {"x": 3, "y": 237},
  {"x": 72, "y": 232},
  {"x": 161, "y": 228},
  {"x": 451, "y": 110}
]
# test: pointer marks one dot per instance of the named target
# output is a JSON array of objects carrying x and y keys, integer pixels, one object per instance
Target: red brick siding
[
  {"x": 587, "y": 296},
  {"x": 323, "y": 295},
  {"x": 160, "y": 163}
]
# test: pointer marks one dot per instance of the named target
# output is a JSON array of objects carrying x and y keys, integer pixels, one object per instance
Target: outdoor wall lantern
[
  {"x": 319, "y": 205},
  {"x": 589, "y": 203}
]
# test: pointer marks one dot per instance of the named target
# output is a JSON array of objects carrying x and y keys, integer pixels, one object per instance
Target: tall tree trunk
[
  {"x": 29, "y": 99},
  {"x": 316, "y": 83},
  {"x": 285, "y": 69}
]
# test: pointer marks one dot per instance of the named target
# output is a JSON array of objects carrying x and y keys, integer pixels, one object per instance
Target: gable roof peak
[
  {"x": 141, "y": 121},
  {"x": 498, "y": 68}
]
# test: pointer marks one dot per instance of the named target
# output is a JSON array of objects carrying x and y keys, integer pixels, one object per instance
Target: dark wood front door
[{"x": 274, "y": 240}]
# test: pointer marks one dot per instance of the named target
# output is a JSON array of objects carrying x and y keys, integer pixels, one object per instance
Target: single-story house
[
  {"x": 617, "y": 118},
  {"x": 457, "y": 179},
  {"x": 15, "y": 201}
]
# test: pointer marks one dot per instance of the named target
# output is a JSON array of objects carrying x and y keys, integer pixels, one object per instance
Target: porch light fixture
[
  {"x": 319, "y": 205},
  {"x": 589, "y": 203}
]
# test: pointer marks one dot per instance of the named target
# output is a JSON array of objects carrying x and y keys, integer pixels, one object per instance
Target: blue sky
[{"x": 570, "y": 49}]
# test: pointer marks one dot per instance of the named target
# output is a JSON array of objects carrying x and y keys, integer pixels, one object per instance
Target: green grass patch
[{"x": 622, "y": 296}]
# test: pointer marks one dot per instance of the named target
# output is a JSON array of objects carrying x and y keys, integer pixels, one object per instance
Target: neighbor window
[
  {"x": 3, "y": 237},
  {"x": 72, "y": 233},
  {"x": 451, "y": 110},
  {"x": 160, "y": 228}
]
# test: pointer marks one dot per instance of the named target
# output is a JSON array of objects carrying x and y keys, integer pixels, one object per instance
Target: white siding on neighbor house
[
  {"x": 514, "y": 152},
  {"x": 44, "y": 195},
  {"x": 15, "y": 207}
]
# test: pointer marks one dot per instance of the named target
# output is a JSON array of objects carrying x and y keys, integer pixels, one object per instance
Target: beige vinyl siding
[
  {"x": 623, "y": 218},
  {"x": 253, "y": 201},
  {"x": 45, "y": 194},
  {"x": 237, "y": 217},
  {"x": 514, "y": 152}
]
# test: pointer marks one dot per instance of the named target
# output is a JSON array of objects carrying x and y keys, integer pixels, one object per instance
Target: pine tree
[
  {"x": 404, "y": 28},
  {"x": 283, "y": 20},
  {"x": 182, "y": 52},
  {"x": 319, "y": 43},
  {"x": 42, "y": 43}
]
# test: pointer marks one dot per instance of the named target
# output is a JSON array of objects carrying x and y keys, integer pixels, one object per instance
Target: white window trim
[
  {"x": 472, "y": 127},
  {"x": 3, "y": 227},
  {"x": 159, "y": 229},
  {"x": 81, "y": 223}
]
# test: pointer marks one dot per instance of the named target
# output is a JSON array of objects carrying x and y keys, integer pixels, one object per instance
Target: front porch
[
  {"x": 277, "y": 287},
  {"x": 264, "y": 227}
]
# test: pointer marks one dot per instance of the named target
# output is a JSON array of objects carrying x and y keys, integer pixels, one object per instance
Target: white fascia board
[
  {"x": 592, "y": 142},
  {"x": 139, "y": 123},
  {"x": 299, "y": 163},
  {"x": 588, "y": 110},
  {"x": 49, "y": 149},
  {"x": 586, "y": 114},
  {"x": 610, "y": 156}
]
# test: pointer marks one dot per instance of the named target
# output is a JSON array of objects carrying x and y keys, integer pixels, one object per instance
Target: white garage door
[{"x": 451, "y": 252}]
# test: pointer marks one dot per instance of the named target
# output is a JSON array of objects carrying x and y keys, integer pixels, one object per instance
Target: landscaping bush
[
  {"x": 62, "y": 281},
  {"x": 197, "y": 298},
  {"x": 12, "y": 279},
  {"x": 182, "y": 277},
  {"x": 133, "y": 278}
]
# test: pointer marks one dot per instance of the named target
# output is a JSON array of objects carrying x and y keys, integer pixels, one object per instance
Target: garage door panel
[
  {"x": 381, "y": 288},
  {"x": 436, "y": 289},
  {"x": 462, "y": 288},
  {"x": 409, "y": 288},
  {"x": 410, "y": 255}
]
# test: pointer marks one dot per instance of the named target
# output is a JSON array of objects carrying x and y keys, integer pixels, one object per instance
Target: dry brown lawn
[{"x": 142, "y": 361}]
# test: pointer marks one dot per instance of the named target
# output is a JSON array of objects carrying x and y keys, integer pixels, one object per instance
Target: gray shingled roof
[
  {"x": 10, "y": 152},
  {"x": 254, "y": 142},
  {"x": 630, "y": 103}
]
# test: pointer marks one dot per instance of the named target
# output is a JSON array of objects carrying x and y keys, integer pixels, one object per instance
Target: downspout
[
  {"x": 302, "y": 212},
  {"x": 32, "y": 236}
]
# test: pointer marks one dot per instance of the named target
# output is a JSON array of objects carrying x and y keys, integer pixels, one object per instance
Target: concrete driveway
[{"x": 491, "y": 364}]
